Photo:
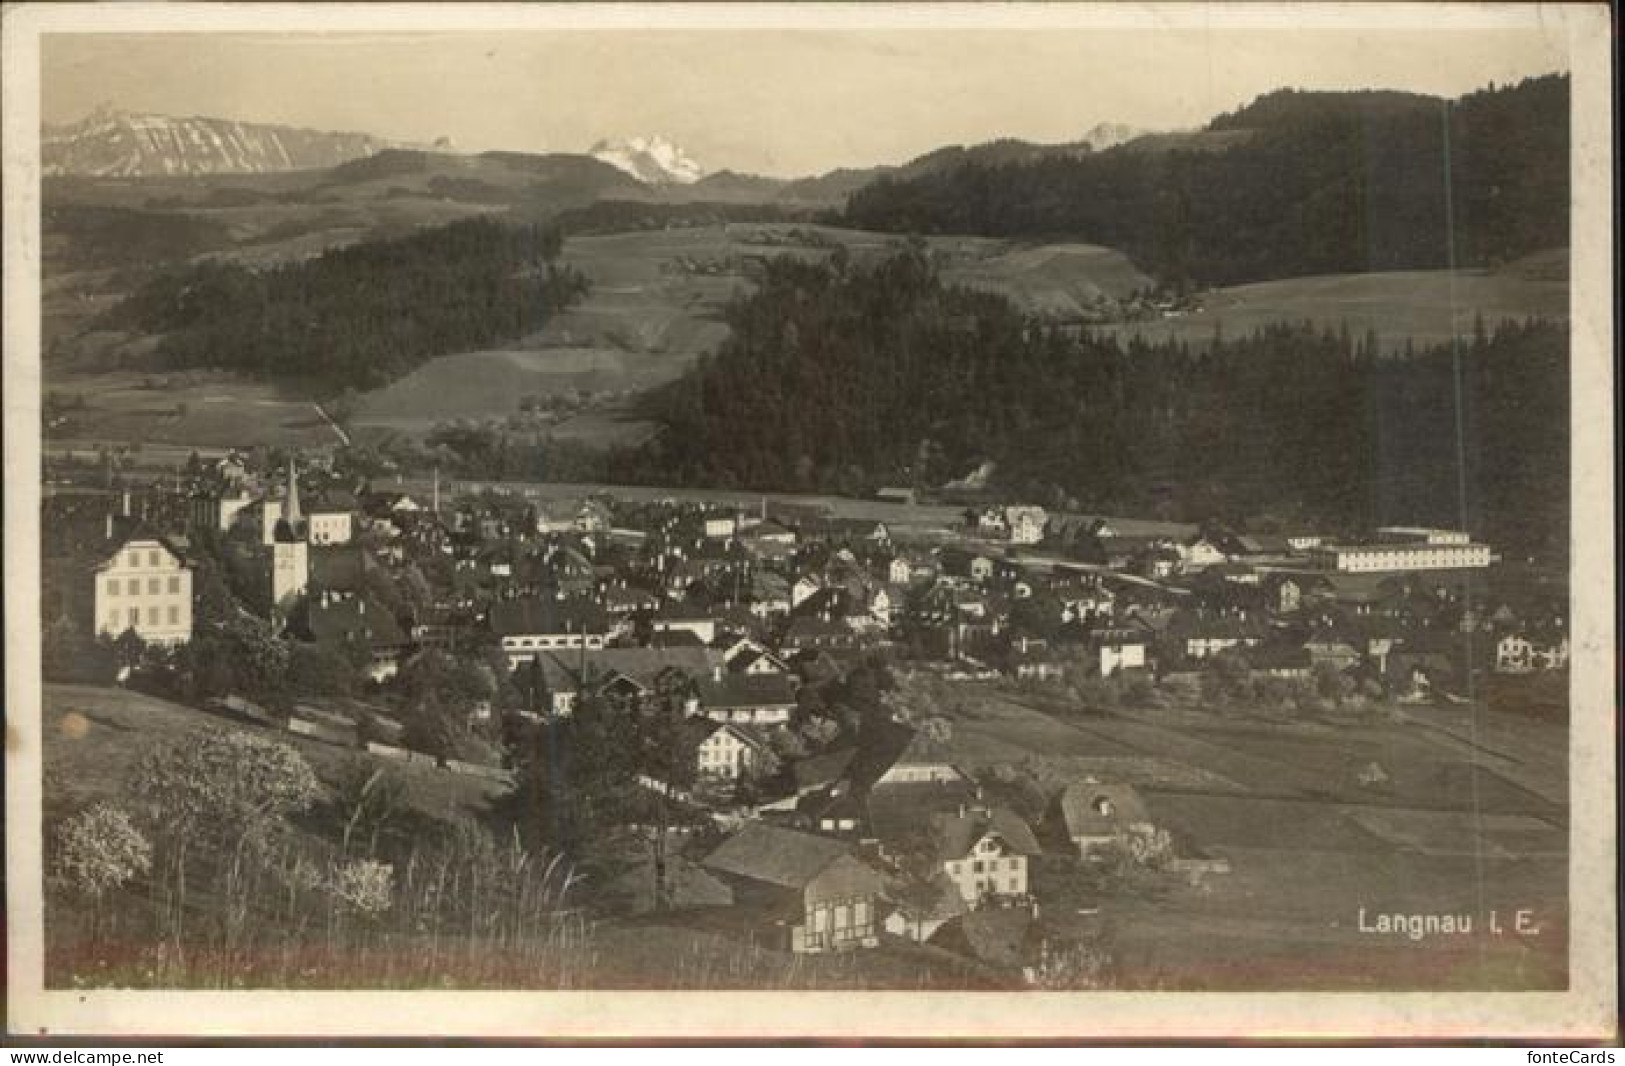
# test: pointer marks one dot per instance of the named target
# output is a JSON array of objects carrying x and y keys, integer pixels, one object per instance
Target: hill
[
  {"x": 1296, "y": 184},
  {"x": 1418, "y": 307},
  {"x": 843, "y": 378},
  {"x": 657, "y": 301}
]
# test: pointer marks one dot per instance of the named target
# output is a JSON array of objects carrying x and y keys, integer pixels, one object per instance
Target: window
[
  {"x": 843, "y": 918},
  {"x": 976, "y": 867},
  {"x": 174, "y": 586},
  {"x": 112, "y": 586},
  {"x": 174, "y": 615},
  {"x": 135, "y": 559},
  {"x": 152, "y": 586},
  {"x": 135, "y": 615},
  {"x": 152, "y": 558},
  {"x": 152, "y": 616}
]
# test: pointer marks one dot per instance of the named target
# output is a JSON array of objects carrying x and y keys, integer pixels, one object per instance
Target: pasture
[
  {"x": 1423, "y": 306},
  {"x": 187, "y": 409},
  {"x": 657, "y": 303},
  {"x": 1308, "y": 844}
]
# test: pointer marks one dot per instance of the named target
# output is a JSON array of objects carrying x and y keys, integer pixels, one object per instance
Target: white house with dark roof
[
  {"x": 984, "y": 852},
  {"x": 146, "y": 587}
]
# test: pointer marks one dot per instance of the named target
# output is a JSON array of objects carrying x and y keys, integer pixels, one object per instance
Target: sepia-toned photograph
[{"x": 1069, "y": 504}]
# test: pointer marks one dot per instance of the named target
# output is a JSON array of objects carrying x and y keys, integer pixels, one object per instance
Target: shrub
[
  {"x": 231, "y": 780},
  {"x": 99, "y": 849}
]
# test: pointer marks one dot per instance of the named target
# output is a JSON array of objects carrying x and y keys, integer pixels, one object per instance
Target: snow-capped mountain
[
  {"x": 112, "y": 143},
  {"x": 654, "y": 160},
  {"x": 1106, "y": 135}
]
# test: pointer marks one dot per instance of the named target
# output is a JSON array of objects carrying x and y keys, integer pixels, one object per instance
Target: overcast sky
[{"x": 769, "y": 102}]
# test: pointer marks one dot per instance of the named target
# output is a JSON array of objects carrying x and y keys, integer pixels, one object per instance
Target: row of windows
[
  {"x": 154, "y": 558},
  {"x": 132, "y": 586},
  {"x": 841, "y": 917},
  {"x": 553, "y": 642},
  {"x": 989, "y": 866},
  {"x": 132, "y": 617}
]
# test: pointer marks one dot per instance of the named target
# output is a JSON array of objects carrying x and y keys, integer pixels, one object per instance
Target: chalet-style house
[
  {"x": 727, "y": 751},
  {"x": 808, "y": 891},
  {"x": 984, "y": 852},
  {"x": 1094, "y": 815},
  {"x": 752, "y": 699}
]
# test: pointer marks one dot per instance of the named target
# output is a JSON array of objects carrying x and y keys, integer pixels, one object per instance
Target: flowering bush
[
  {"x": 364, "y": 885},
  {"x": 233, "y": 781},
  {"x": 100, "y": 848}
]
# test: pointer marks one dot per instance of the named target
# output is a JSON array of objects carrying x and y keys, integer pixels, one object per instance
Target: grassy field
[
  {"x": 1424, "y": 306},
  {"x": 95, "y": 737},
  {"x": 214, "y": 410},
  {"x": 1308, "y": 845},
  {"x": 657, "y": 301}
]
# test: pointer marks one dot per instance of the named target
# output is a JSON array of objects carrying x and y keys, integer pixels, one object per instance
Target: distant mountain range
[
  {"x": 652, "y": 160},
  {"x": 113, "y": 143}
]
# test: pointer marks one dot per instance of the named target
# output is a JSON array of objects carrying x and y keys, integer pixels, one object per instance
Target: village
[{"x": 814, "y": 767}]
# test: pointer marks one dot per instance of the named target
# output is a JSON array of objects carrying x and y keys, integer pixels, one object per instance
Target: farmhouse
[
  {"x": 1094, "y": 815},
  {"x": 756, "y": 699},
  {"x": 984, "y": 852},
  {"x": 727, "y": 751},
  {"x": 808, "y": 891}
]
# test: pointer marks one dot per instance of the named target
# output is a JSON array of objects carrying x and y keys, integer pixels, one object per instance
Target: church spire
[{"x": 291, "y": 511}]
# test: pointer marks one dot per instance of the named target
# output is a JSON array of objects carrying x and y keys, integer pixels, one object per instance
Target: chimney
[
  {"x": 716, "y": 673},
  {"x": 125, "y": 510},
  {"x": 109, "y": 525}
]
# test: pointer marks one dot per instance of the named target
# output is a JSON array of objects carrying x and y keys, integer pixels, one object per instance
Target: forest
[
  {"x": 360, "y": 316},
  {"x": 841, "y": 379},
  {"x": 1296, "y": 183}
]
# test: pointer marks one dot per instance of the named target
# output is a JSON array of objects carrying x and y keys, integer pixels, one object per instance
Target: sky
[{"x": 765, "y": 101}]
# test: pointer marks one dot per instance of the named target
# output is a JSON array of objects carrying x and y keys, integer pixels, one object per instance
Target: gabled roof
[
  {"x": 534, "y": 614},
  {"x": 748, "y": 690},
  {"x": 360, "y": 617},
  {"x": 781, "y": 857},
  {"x": 1083, "y": 818},
  {"x": 822, "y": 769},
  {"x": 341, "y": 567},
  {"x": 956, "y": 834}
]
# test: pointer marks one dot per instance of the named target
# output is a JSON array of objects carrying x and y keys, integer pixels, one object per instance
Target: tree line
[
  {"x": 360, "y": 316},
  {"x": 1297, "y": 183},
  {"x": 841, "y": 379}
]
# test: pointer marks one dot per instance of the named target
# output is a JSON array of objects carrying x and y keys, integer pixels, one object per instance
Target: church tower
[{"x": 290, "y": 548}]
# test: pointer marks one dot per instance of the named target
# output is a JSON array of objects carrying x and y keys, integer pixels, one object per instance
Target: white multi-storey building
[
  {"x": 1396, "y": 556},
  {"x": 145, "y": 586}
]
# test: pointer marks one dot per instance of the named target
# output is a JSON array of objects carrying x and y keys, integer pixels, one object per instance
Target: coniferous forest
[
  {"x": 363, "y": 315},
  {"x": 839, "y": 379},
  {"x": 1296, "y": 183}
]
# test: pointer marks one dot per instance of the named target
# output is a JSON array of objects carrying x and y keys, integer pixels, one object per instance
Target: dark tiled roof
[
  {"x": 777, "y": 856},
  {"x": 747, "y": 690},
  {"x": 536, "y": 615},
  {"x": 1082, "y": 818},
  {"x": 956, "y": 834}
]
